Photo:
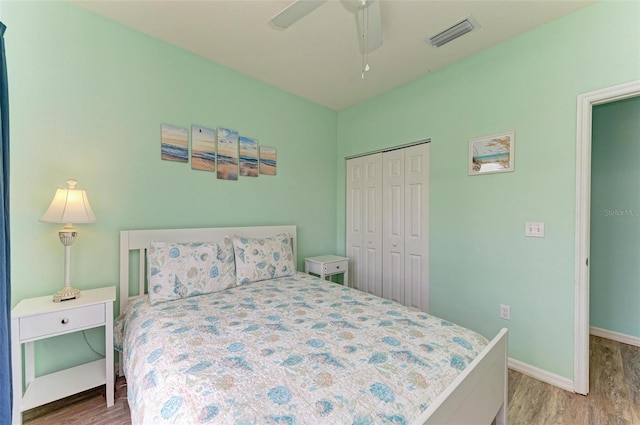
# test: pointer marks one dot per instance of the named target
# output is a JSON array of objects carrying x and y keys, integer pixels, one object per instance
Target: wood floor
[
  {"x": 614, "y": 392},
  {"x": 614, "y": 397}
]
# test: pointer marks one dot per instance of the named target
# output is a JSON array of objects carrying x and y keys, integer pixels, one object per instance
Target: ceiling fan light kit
[{"x": 456, "y": 30}]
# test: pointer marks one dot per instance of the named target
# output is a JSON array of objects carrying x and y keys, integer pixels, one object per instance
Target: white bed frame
[{"x": 477, "y": 396}]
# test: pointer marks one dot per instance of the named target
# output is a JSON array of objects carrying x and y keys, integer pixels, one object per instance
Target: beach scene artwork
[
  {"x": 248, "y": 157},
  {"x": 174, "y": 143},
  {"x": 203, "y": 148},
  {"x": 227, "y": 154},
  {"x": 491, "y": 154},
  {"x": 268, "y": 160}
]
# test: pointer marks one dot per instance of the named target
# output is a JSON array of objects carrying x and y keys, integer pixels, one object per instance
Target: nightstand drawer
[
  {"x": 61, "y": 321},
  {"x": 337, "y": 267}
]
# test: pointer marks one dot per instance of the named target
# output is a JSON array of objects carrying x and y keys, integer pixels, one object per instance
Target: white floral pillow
[
  {"x": 261, "y": 259},
  {"x": 180, "y": 270}
]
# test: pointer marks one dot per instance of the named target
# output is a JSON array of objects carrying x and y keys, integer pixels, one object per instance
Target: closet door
[
  {"x": 364, "y": 222},
  {"x": 416, "y": 226},
  {"x": 354, "y": 193},
  {"x": 393, "y": 213},
  {"x": 405, "y": 247}
]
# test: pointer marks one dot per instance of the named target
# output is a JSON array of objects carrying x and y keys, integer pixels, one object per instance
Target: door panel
[
  {"x": 364, "y": 215},
  {"x": 414, "y": 282},
  {"x": 355, "y": 182},
  {"x": 393, "y": 227},
  {"x": 416, "y": 239},
  {"x": 394, "y": 277}
]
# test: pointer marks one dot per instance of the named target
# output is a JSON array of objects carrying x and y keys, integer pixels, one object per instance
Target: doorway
[
  {"x": 585, "y": 105},
  {"x": 614, "y": 271}
]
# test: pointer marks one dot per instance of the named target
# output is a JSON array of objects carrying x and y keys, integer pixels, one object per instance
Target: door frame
[{"x": 586, "y": 102}]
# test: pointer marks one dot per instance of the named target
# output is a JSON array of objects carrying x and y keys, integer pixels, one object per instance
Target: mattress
[{"x": 293, "y": 350}]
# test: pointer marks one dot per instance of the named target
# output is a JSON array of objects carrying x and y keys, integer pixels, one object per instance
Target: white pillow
[
  {"x": 180, "y": 270},
  {"x": 261, "y": 259}
]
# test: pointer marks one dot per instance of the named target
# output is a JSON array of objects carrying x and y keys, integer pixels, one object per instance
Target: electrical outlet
[
  {"x": 535, "y": 230},
  {"x": 505, "y": 312}
]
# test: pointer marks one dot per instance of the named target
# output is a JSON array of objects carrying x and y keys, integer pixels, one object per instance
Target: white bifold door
[
  {"x": 387, "y": 224},
  {"x": 364, "y": 222}
]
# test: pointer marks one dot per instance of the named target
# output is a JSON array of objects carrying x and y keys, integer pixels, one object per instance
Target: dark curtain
[{"x": 5, "y": 263}]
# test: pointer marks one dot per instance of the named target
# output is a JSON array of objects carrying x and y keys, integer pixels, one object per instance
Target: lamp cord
[{"x": 90, "y": 347}]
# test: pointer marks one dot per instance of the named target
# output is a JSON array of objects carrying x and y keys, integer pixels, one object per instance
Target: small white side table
[
  {"x": 34, "y": 319},
  {"x": 328, "y": 265}
]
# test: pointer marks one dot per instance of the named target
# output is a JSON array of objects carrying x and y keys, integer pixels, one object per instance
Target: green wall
[
  {"x": 615, "y": 217},
  {"x": 479, "y": 256},
  {"x": 87, "y": 97}
]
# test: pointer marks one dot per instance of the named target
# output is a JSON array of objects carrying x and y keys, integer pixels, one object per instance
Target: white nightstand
[
  {"x": 39, "y": 318},
  {"x": 328, "y": 265}
]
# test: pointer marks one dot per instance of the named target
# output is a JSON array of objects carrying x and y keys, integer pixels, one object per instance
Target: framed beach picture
[
  {"x": 248, "y": 157},
  {"x": 174, "y": 143},
  {"x": 227, "y": 154},
  {"x": 203, "y": 148},
  {"x": 268, "y": 163},
  {"x": 491, "y": 154}
]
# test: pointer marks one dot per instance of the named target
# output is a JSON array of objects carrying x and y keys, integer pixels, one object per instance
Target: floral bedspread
[{"x": 293, "y": 350}]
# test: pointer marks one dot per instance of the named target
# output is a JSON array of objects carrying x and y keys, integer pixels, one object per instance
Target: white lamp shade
[{"x": 69, "y": 206}]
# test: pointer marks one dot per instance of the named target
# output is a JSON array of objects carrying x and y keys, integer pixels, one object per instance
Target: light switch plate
[{"x": 534, "y": 230}]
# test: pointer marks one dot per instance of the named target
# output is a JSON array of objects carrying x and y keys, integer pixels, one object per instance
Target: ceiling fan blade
[
  {"x": 371, "y": 32},
  {"x": 295, "y": 11}
]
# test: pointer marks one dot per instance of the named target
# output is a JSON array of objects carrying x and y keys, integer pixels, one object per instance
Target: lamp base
[{"x": 67, "y": 293}]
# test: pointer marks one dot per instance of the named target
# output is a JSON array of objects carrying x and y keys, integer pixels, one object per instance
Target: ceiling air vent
[{"x": 458, "y": 29}]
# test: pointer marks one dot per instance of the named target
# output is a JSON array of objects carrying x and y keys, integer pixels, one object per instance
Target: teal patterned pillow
[
  {"x": 180, "y": 270},
  {"x": 261, "y": 259}
]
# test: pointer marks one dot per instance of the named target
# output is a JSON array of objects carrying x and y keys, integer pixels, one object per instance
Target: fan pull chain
[{"x": 365, "y": 36}]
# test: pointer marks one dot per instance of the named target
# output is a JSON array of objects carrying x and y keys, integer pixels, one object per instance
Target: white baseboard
[
  {"x": 561, "y": 381},
  {"x": 541, "y": 375},
  {"x": 616, "y": 336}
]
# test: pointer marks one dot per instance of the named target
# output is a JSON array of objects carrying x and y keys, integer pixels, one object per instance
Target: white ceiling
[{"x": 318, "y": 57}]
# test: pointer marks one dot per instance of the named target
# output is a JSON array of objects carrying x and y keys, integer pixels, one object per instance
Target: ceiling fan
[{"x": 368, "y": 20}]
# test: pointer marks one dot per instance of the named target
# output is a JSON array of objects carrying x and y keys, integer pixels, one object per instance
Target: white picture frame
[{"x": 492, "y": 154}]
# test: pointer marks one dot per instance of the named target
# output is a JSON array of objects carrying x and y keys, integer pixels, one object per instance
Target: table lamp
[{"x": 69, "y": 206}]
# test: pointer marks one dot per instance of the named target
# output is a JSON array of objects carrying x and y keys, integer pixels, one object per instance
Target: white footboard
[{"x": 478, "y": 394}]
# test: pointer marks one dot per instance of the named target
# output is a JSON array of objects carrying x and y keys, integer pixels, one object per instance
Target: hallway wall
[{"x": 615, "y": 217}]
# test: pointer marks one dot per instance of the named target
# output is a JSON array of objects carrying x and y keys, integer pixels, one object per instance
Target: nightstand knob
[{"x": 64, "y": 321}]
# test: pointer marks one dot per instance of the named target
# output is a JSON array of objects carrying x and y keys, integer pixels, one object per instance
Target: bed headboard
[{"x": 139, "y": 240}]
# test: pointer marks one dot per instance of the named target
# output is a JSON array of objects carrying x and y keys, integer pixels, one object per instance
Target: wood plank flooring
[
  {"x": 614, "y": 392},
  {"x": 614, "y": 397},
  {"x": 88, "y": 408}
]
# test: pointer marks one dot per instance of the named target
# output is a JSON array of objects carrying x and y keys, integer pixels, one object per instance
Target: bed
[{"x": 282, "y": 347}]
